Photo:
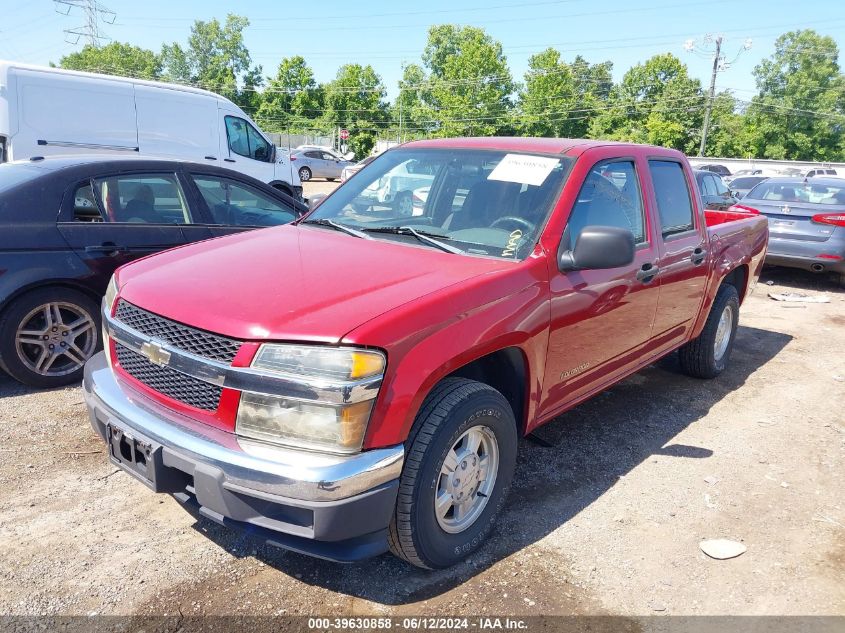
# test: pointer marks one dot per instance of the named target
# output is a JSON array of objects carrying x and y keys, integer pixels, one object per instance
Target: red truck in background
[{"x": 359, "y": 380}]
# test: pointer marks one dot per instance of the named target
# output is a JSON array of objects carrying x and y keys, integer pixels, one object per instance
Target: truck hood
[{"x": 291, "y": 282}]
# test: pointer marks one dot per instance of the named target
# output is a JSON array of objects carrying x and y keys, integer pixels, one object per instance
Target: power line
[{"x": 94, "y": 13}]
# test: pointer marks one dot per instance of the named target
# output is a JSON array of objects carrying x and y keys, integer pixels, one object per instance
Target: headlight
[
  {"x": 108, "y": 303},
  {"x": 111, "y": 294},
  {"x": 315, "y": 425}
]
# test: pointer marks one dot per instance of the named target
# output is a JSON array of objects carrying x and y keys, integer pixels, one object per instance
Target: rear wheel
[
  {"x": 707, "y": 355},
  {"x": 304, "y": 174},
  {"x": 284, "y": 190},
  {"x": 403, "y": 204},
  {"x": 47, "y": 335},
  {"x": 459, "y": 465}
]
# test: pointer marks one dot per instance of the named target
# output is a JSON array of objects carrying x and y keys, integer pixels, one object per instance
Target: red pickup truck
[{"x": 359, "y": 380}]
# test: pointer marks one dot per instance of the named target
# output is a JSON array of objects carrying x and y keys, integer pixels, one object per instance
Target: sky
[{"x": 329, "y": 33}]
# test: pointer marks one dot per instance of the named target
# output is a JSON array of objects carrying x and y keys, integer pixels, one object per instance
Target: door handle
[
  {"x": 229, "y": 160},
  {"x": 647, "y": 272},
  {"x": 211, "y": 158},
  {"x": 106, "y": 247},
  {"x": 698, "y": 256}
]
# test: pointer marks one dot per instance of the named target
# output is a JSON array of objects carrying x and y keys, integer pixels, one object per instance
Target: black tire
[
  {"x": 13, "y": 318},
  {"x": 453, "y": 407},
  {"x": 330, "y": 179},
  {"x": 304, "y": 174},
  {"x": 284, "y": 190},
  {"x": 698, "y": 357}
]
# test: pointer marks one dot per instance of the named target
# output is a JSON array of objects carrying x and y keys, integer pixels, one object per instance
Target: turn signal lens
[
  {"x": 741, "y": 208},
  {"x": 836, "y": 219}
]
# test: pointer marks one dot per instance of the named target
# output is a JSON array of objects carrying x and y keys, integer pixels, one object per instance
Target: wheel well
[
  {"x": 738, "y": 278},
  {"x": 48, "y": 284},
  {"x": 283, "y": 188},
  {"x": 505, "y": 370}
]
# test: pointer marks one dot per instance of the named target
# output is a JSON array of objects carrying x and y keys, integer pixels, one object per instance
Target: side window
[
  {"x": 674, "y": 204},
  {"x": 245, "y": 140},
  {"x": 85, "y": 208},
  {"x": 236, "y": 133},
  {"x": 721, "y": 188},
  {"x": 143, "y": 199},
  {"x": 327, "y": 156},
  {"x": 313, "y": 154},
  {"x": 610, "y": 196},
  {"x": 236, "y": 204},
  {"x": 707, "y": 186},
  {"x": 259, "y": 148}
]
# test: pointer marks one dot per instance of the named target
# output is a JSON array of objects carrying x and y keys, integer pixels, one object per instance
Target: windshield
[
  {"x": 746, "y": 182},
  {"x": 811, "y": 192},
  {"x": 477, "y": 202}
]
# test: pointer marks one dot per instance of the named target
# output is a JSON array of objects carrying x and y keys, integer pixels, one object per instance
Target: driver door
[
  {"x": 245, "y": 149},
  {"x": 601, "y": 319}
]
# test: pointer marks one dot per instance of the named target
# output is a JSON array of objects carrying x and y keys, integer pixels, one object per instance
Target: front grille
[
  {"x": 171, "y": 383},
  {"x": 182, "y": 336}
]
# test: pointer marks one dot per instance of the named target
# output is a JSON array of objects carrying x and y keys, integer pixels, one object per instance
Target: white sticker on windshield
[{"x": 524, "y": 169}]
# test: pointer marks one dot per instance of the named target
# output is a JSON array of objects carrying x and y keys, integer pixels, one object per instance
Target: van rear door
[{"x": 70, "y": 114}]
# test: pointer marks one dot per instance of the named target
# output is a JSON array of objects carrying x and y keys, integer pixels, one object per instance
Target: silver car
[
  {"x": 318, "y": 163},
  {"x": 806, "y": 222}
]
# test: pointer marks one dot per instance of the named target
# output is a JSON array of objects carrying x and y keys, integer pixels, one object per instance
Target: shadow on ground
[
  {"x": 593, "y": 446},
  {"x": 802, "y": 280}
]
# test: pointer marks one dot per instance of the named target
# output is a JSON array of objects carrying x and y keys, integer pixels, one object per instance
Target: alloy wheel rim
[
  {"x": 55, "y": 339},
  {"x": 467, "y": 479},
  {"x": 723, "y": 333}
]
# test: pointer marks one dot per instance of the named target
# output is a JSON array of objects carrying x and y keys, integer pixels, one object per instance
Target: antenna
[{"x": 94, "y": 13}]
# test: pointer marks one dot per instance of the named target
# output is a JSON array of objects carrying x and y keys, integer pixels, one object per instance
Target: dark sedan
[
  {"x": 806, "y": 222},
  {"x": 714, "y": 193},
  {"x": 69, "y": 222}
]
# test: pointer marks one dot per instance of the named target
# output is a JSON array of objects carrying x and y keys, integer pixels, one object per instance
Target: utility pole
[
  {"x": 719, "y": 64},
  {"x": 709, "y": 106},
  {"x": 94, "y": 12}
]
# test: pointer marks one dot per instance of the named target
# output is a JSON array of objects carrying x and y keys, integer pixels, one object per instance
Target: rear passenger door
[
  {"x": 233, "y": 205},
  {"x": 111, "y": 220},
  {"x": 683, "y": 249}
]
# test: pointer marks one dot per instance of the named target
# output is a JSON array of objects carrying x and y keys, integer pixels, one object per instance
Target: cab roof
[{"x": 569, "y": 146}]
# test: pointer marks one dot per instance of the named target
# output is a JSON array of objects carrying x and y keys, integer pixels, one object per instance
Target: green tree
[
  {"x": 656, "y": 102},
  {"x": 799, "y": 112},
  {"x": 216, "y": 59},
  {"x": 355, "y": 100},
  {"x": 560, "y": 99},
  {"x": 468, "y": 86},
  {"x": 292, "y": 99},
  {"x": 115, "y": 58},
  {"x": 410, "y": 109}
]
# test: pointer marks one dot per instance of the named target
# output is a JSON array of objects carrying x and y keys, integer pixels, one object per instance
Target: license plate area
[{"x": 134, "y": 455}]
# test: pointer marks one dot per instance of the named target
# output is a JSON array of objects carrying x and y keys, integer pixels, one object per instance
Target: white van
[{"x": 48, "y": 111}]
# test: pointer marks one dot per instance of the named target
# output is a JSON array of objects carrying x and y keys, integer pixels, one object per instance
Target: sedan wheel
[
  {"x": 48, "y": 335},
  {"x": 304, "y": 174}
]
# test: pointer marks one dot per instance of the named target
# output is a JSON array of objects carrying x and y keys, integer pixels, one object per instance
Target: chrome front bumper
[{"x": 305, "y": 494}]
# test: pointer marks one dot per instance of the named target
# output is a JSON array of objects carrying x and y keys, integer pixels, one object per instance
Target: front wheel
[
  {"x": 47, "y": 335},
  {"x": 707, "y": 355},
  {"x": 304, "y": 174},
  {"x": 459, "y": 466}
]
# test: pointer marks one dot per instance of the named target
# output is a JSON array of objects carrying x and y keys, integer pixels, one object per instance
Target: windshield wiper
[
  {"x": 339, "y": 227},
  {"x": 422, "y": 237}
]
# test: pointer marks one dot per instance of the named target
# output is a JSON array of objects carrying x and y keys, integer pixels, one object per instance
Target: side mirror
[
  {"x": 315, "y": 200},
  {"x": 599, "y": 247}
]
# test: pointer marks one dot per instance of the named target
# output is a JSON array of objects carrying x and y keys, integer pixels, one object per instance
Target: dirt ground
[{"x": 606, "y": 521}]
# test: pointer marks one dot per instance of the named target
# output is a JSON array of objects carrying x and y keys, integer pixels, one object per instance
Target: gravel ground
[{"x": 605, "y": 521}]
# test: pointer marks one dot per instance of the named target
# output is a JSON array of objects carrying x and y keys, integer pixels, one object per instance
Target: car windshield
[
  {"x": 810, "y": 192},
  {"x": 745, "y": 182},
  {"x": 476, "y": 202}
]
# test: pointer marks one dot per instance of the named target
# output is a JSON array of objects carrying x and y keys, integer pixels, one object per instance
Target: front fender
[{"x": 432, "y": 337}]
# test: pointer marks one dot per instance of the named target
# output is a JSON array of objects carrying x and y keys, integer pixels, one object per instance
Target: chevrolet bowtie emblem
[
  {"x": 155, "y": 353},
  {"x": 785, "y": 208}
]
